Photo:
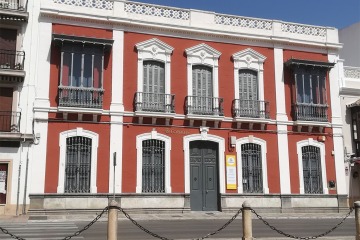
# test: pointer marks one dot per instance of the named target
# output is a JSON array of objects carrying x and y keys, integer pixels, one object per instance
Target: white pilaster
[
  {"x": 337, "y": 124},
  {"x": 116, "y": 109},
  {"x": 283, "y": 150}
]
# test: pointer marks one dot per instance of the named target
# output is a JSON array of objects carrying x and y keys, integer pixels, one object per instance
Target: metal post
[
  {"x": 112, "y": 221},
  {"x": 247, "y": 221},
  {"x": 357, "y": 219}
]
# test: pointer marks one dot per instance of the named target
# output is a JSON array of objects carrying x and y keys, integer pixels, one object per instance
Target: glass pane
[
  {"x": 299, "y": 88},
  {"x": 66, "y": 69},
  {"x": 322, "y": 90},
  {"x": 307, "y": 88},
  {"x": 97, "y": 71},
  {"x": 87, "y": 80},
  {"x": 76, "y": 79},
  {"x": 315, "y": 88}
]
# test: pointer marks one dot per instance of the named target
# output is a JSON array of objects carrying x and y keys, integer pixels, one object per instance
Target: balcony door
[
  {"x": 6, "y": 99},
  {"x": 154, "y": 87},
  {"x": 202, "y": 83},
  {"x": 7, "y": 48},
  {"x": 248, "y": 93}
]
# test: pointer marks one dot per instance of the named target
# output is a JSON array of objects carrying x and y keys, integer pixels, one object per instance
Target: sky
[{"x": 327, "y": 13}]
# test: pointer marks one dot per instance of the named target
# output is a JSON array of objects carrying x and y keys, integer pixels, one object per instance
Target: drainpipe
[
  {"x": 18, "y": 185},
  {"x": 25, "y": 185}
]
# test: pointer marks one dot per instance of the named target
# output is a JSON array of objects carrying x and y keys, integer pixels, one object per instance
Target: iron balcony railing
[
  {"x": 310, "y": 112},
  {"x": 10, "y": 121},
  {"x": 10, "y": 59},
  {"x": 204, "y": 105},
  {"x": 83, "y": 97},
  {"x": 13, "y": 4},
  {"x": 154, "y": 102},
  {"x": 250, "y": 108}
]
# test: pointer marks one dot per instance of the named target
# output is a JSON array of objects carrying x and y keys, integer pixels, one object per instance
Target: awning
[
  {"x": 106, "y": 43},
  {"x": 309, "y": 63},
  {"x": 354, "y": 104}
]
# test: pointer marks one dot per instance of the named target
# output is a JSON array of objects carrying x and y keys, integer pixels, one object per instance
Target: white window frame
[
  {"x": 252, "y": 60},
  {"x": 78, "y": 132},
  {"x": 147, "y": 136},
  {"x": 203, "y": 54},
  {"x": 205, "y": 137},
  {"x": 262, "y": 143},
  {"x": 154, "y": 50},
  {"x": 312, "y": 142}
]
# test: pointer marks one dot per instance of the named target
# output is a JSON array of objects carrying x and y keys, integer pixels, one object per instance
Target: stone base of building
[{"x": 52, "y": 204}]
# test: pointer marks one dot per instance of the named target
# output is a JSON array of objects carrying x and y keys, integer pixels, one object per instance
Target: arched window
[
  {"x": 311, "y": 160},
  {"x": 252, "y": 179},
  {"x": 78, "y": 161},
  {"x": 78, "y": 165},
  {"x": 153, "y": 166},
  {"x": 153, "y": 163}
]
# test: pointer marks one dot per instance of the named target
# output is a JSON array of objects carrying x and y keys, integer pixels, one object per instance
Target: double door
[{"x": 204, "y": 193}]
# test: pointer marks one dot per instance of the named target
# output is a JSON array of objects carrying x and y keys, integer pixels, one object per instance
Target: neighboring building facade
[
  {"x": 201, "y": 111},
  {"x": 16, "y": 94},
  {"x": 350, "y": 95}
]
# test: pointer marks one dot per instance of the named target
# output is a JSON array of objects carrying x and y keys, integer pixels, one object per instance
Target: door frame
[
  {"x": 221, "y": 157},
  {"x": 8, "y": 179}
]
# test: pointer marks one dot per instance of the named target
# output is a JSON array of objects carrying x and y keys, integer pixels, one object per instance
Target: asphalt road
[{"x": 190, "y": 229}]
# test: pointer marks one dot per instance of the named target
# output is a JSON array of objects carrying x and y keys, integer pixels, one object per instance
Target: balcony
[
  {"x": 12, "y": 60},
  {"x": 10, "y": 121},
  {"x": 80, "y": 97},
  {"x": 154, "y": 102},
  {"x": 13, "y": 10},
  {"x": 204, "y": 108},
  {"x": 250, "y": 109},
  {"x": 310, "y": 112}
]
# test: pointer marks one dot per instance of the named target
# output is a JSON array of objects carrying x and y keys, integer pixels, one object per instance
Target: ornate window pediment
[
  {"x": 203, "y": 54},
  {"x": 154, "y": 49},
  {"x": 249, "y": 58}
]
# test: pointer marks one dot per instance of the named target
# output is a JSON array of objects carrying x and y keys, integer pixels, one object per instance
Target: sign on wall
[
  {"x": 2, "y": 181},
  {"x": 231, "y": 172}
]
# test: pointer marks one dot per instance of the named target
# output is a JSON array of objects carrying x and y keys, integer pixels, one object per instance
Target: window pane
[
  {"x": 76, "y": 79},
  {"x": 87, "y": 81},
  {"x": 97, "y": 71},
  {"x": 322, "y": 89},
  {"x": 66, "y": 69},
  {"x": 315, "y": 88},
  {"x": 307, "y": 88},
  {"x": 300, "y": 88}
]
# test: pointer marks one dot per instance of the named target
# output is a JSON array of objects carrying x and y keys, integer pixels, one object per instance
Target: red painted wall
[{"x": 53, "y": 153}]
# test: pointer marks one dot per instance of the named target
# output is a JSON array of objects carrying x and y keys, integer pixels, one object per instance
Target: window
[
  {"x": 312, "y": 168},
  {"x": 81, "y": 70},
  {"x": 203, "y": 88},
  {"x": 252, "y": 166},
  {"x": 153, "y": 163},
  {"x": 309, "y": 89},
  {"x": 78, "y": 165},
  {"x": 355, "y": 125},
  {"x": 249, "y": 85},
  {"x": 78, "y": 161},
  {"x": 153, "y": 168},
  {"x": 153, "y": 89}
]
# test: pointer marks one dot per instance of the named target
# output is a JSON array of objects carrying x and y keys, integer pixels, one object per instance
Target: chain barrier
[
  {"x": 306, "y": 238},
  {"x": 164, "y": 238}
]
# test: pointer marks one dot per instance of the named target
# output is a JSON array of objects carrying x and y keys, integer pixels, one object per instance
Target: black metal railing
[
  {"x": 250, "y": 108},
  {"x": 310, "y": 112},
  {"x": 204, "y": 105},
  {"x": 10, "y": 121},
  {"x": 155, "y": 102},
  {"x": 10, "y": 59},
  {"x": 83, "y": 97},
  {"x": 13, "y": 4}
]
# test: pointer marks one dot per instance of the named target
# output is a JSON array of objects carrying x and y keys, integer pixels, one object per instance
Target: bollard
[
  {"x": 247, "y": 221},
  {"x": 112, "y": 221},
  {"x": 357, "y": 219}
]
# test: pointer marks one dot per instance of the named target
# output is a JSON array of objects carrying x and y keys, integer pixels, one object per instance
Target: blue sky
[{"x": 330, "y": 13}]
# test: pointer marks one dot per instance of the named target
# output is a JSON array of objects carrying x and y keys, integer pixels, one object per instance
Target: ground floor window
[
  {"x": 252, "y": 180},
  {"x": 311, "y": 160}
]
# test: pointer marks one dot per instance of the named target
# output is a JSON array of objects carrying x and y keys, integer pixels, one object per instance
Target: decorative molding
[
  {"x": 157, "y": 11},
  {"x": 100, "y": 4},
  {"x": 303, "y": 29},
  {"x": 350, "y": 72},
  {"x": 243, "y": 22}
]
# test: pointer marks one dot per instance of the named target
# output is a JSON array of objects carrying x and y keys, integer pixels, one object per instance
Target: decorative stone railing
[
  {"x": 243, "y": 22},
  {"x": 352, "y": 72},
  {"x": 157, "y": 11},
  {"x": 185, "y": 19},
  {"x": 101, "y": 4}
]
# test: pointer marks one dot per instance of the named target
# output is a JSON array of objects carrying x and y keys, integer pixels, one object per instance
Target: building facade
[
  {"x": 350, "y": 106},
  {"x": 177, "y": 110}
]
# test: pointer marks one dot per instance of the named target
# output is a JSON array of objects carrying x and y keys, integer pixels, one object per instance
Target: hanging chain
[
  {"x": 87, "y": 226},
  {"x": 10, "y": 234},
  {"x": 296, "y": 237},
  {"x": 164, "y": 238}
]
